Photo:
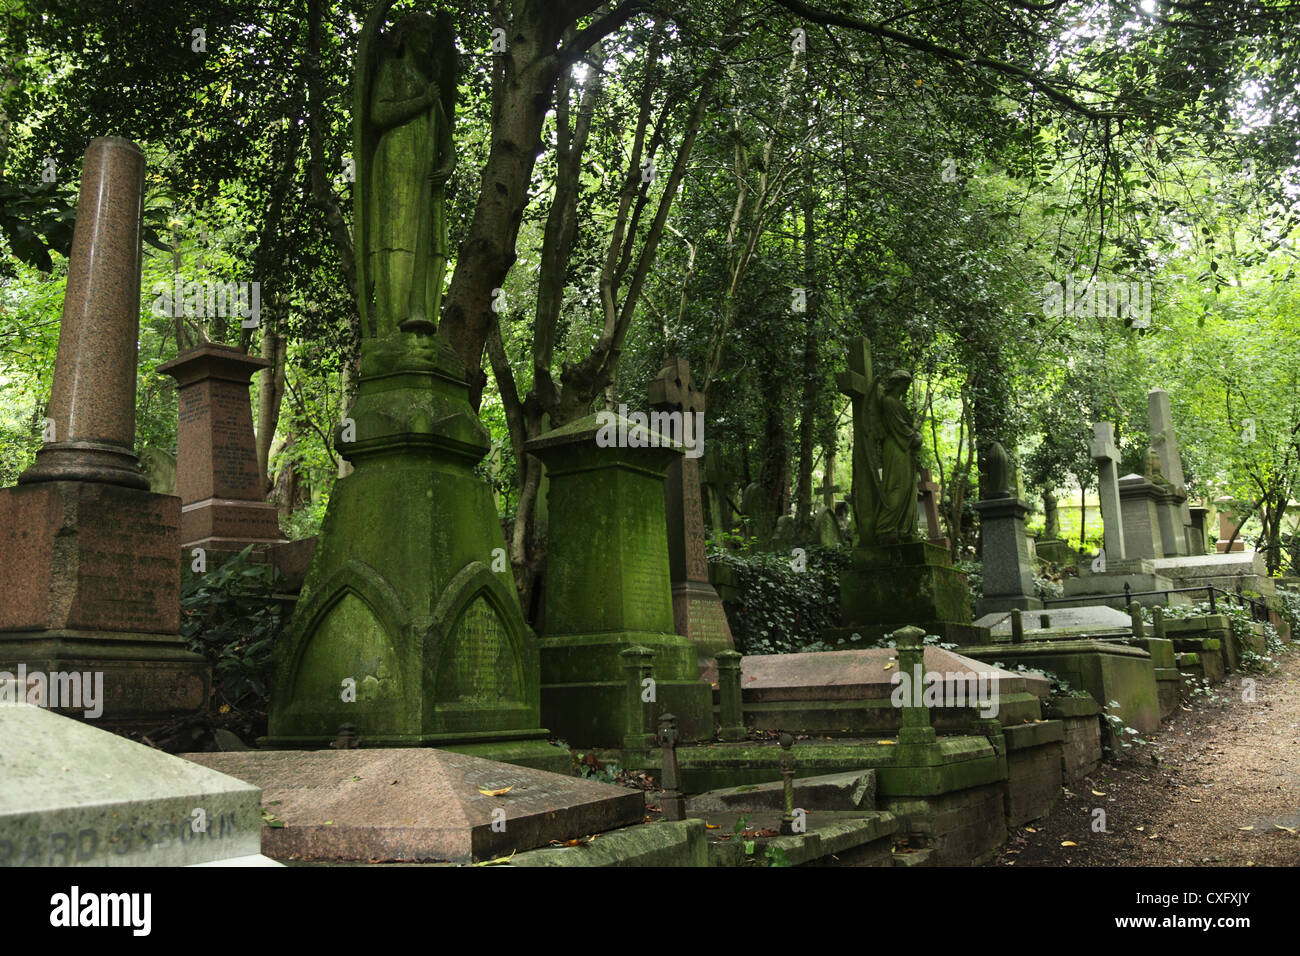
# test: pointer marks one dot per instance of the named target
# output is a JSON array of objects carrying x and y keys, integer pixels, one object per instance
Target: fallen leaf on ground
[{"x": 495, "y": 793}]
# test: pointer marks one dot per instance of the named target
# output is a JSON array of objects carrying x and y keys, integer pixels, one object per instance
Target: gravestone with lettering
[
  {"x": 223, "y": 504},
  {"x": 609, "y": 585},
  {"x": 697, "y": 610},
  {"x": 408, "y": 627},
  {"x": 89, "y": 556},
  {"x": 1164, "y": 440},
  {"x": 75, "y": 795},
  {"x": 896, "y": 576},
  {"x": 1008, "y": 574}
]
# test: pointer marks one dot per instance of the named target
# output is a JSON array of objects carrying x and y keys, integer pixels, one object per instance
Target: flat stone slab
[
  {"x": 1086, "y": 618},
  {"x": 855, "y": 790},
  {"x": 1213, "y": 565},
  {"x": 417, "y": 804},
  {"x": 863, "y": 674},
  {"x": 75, "y": 795}
]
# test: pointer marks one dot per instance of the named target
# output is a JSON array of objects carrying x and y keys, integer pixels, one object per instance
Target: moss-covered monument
[
  {"x": 403, "y": 630},
  {"x": 896, "y": 577}
]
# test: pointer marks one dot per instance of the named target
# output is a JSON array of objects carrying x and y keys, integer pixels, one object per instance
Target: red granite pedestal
[
  {"x": 93, "y": 586},
  {"x": 223, "y": 502}
]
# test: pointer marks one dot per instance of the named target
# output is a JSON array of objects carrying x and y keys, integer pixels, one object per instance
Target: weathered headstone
[
  {"x": 1196, "y": 543},
  {"x": 1164, "y": 439},
  {"x": 716, "y": 483},
  {"x": 1008, "y": 575},
  {"x": 827, "y": 528},
  {"x": 609, "y": 586},
  {"x": 408, "y": 627},
  {"x": 1106, "y": 455},
  {"x": 1228, "y": 528},
  {"x": 759, "y": 520},
  {"x": 75, "y": 795},
  {"x": 91, "y": 558},
  {"x": 223, "y": 504},
  {"x": 697, "y": 610},
  {"x": 409, "y": 804},
  {"x": 1139, "y": 501}
]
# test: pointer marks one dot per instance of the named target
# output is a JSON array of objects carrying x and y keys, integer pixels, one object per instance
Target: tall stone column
[
  {"x": 1164, "y": 441},
  {"x": 92, "y": 404},
  {"x": 90, "y": 557}
]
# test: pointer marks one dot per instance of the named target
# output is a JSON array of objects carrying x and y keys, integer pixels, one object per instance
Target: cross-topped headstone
[
  {"x": 855, "y": 382},
  {"x": 697, "y": 610},
  {"x": 673, "y": 388},
  {"x": 929, "y": 490},
  {"x": 1106, "y": 455}
]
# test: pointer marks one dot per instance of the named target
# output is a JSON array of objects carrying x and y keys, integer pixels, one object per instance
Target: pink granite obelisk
[{"x": 89, "y": 557}]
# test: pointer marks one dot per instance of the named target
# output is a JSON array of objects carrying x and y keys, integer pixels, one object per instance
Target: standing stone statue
[
  {"x": 1051, "y": 517},
  {"x": 885, "y": 446},
  {"x": 405, "y": 101}
]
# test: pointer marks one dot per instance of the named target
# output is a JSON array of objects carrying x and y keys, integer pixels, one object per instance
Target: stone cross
[
  {"x": 673, "y": 391},
  {"x": 929, "y": 489},
  {"x": 855, "y": 382},
  {"x": 697, "y": 609},
  {"x": 1106, "y": 455}
]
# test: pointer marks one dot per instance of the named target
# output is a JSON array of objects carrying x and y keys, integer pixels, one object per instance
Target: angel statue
[
  {"x": 885, "y": 446},
  {"x": 404, "y": 102}
]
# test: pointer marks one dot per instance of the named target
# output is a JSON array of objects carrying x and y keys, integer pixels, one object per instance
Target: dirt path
[{"x": 1216, "y": 785}]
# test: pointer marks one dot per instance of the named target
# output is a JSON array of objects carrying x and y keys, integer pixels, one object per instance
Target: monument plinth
[
  {"x": 402, "y": 628},
  {"x": 91, "y": 557},
  {"x": 609, "y": 589},
  {"x": 223, "y": 502}
]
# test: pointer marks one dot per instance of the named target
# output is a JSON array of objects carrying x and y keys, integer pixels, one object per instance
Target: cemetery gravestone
[
  {"x": 409, "y": 804},
  {"x": 403, "y": 628},
  {"x": 1139, "y": 501},
  {"x": 1164, "y": 439},
  {"x": 697, "y": 610},
  {"x": 1008, "y": 578},
  {"x": 609, "y": 586},
  {"x": 75, "y": 795},
  {"x": 1106, "y": 455},
  {"x": 929, "y": 491},
  {"x": 90, "y": 557},
  {"x": 223, "y": 505}
]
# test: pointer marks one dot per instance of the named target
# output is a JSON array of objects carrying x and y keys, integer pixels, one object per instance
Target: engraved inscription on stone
[{"x": 478, "y": 664}]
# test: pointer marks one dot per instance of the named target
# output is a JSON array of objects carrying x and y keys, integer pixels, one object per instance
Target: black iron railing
[{"x": 1258, "y": 606}]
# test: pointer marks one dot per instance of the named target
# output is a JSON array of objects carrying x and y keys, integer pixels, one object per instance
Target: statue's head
[
  {"x": 896, "y": 383},
  {"x": 417, "y": 34}
]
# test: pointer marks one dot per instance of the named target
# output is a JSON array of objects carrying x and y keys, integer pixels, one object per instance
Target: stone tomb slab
[
  {"x": 409, "y": 804},
  {"x": 861, "y": 674},
  {"x": 75, "y": 795},
  {"x": 1099, "y": 617}
]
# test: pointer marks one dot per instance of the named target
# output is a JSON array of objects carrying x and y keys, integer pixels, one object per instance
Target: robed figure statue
[{"x": 404, "y": 103}]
